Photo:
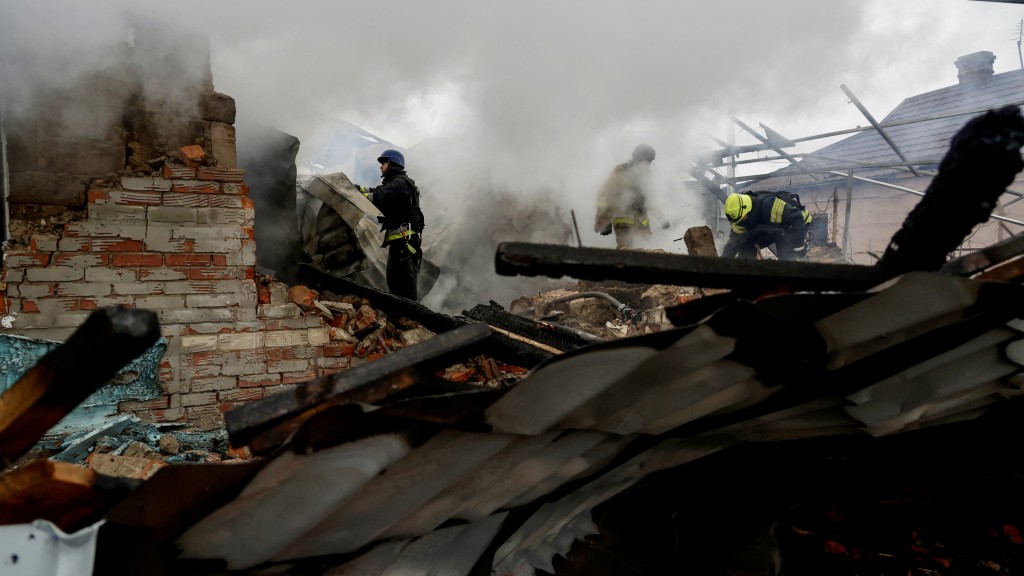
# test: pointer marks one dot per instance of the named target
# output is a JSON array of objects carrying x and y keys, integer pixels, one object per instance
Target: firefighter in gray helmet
[
  {"x": 398, "y": 199},
  {"x": 622, "y": 200}
]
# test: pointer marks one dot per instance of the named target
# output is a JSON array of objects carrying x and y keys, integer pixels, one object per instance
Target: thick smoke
[{"x": 532, "y": 103}]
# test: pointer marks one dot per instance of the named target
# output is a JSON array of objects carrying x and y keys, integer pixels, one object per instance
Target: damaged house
[{"x": 367, "y": 434}]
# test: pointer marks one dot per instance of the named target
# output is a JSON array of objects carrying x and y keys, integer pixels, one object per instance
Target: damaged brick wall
[{"x": 148, "y": 209}]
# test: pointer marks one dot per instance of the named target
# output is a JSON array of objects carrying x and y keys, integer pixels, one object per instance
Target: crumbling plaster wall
[{"x": 115, "y": 215}]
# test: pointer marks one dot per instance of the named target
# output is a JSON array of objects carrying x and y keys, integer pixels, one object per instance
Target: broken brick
[
  {"x": 192, "y": 155},
  {"x": 302, "y": 296}
]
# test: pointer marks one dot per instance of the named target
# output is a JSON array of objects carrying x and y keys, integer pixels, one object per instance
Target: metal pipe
[
  {"x": 916, "y": 193},
  {"x": 777, "y": 149},
  {"x": 846, "y": 217},
  {"x": 881, "y": 131}
]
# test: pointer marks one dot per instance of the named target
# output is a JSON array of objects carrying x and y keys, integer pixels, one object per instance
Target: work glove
[
  {"x": 603, "y": 227},
  {"x": 363, "y": 191}
]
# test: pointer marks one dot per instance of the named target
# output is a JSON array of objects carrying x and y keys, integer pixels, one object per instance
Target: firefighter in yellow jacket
[
  {"x": 763, "y": 219},
  {"x": 621, "y": 202}
]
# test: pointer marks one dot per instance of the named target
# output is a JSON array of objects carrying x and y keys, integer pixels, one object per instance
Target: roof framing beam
[{"x": 556, "y": 261}]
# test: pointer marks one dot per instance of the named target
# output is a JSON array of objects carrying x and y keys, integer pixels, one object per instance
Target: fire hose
[{"x": 628, "y": 314}]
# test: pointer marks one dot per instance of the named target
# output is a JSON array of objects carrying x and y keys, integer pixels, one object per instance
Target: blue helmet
[{"x": 393, "y": 156}]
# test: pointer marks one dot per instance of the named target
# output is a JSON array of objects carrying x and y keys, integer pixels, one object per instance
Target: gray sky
[{"x": 543, "y": 98}]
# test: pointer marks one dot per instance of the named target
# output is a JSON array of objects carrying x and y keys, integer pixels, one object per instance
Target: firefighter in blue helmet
[
  {"x": 621, "y": 202},
  {"x": 763, "y": 219},
  {"x": 398, "y": 199}
]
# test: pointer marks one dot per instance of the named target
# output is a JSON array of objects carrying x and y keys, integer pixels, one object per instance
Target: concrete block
[
  {"x": 217, "y": 107},
  {"x": 26, "y": 260},
  {"x": 287, "y": 366},
  {"x": 190, "y": 344},
  {"x": 115, "y": 245},
  {"x": 193, "y": 316},
  {"x": 54, "y": 274},
  {"x": 246, "y": 256},
  {"x": 194, "y": 187},
  {"x": 245, "y": 364},
  {"x": 137, "y": 288},
  {"x": 244, "y": 341},
  {"x": 117, "y": 212},
  {"x": 148, "y": 184},
  {"x": 161, "y": 274},
  {"x": 44, "y": 243},
  {"x": 272, "y": 311},
  {"x": 225, "y": 215},
  {"x": 31, "y": 290},
  {"x": 216, "y": 328},
  {"x": 159, "y": 302},
  {"x": 186, "y": 199},
  {"x": 94, "y": 289},
  {"x": 14, "y": 276},
  {"x": 217, "y": 246},
  {"x": 214, "y": 300},
  {"x": 235, "y": 188},
  {"x": 198, "y": 399},
  {"x": 172, "y": 214},
  {"x": 200, "y": 385},
  {"x": 107, "y": 229},
  {"x": 222, "y": 144},
  {"x": 76, "y": 260},
  {"x": 286, "y": 338},
  {"x": 102, "y": 274},
  {"x": 73, "y": 244},
  {"x": 319, "y": 336}
]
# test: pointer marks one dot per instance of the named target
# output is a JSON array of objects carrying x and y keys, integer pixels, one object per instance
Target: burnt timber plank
[
  {"x": 508, "y": 349},
  {"x": 107, "y": 340},
  {"x": 394, "y": 372},
  {"x": 550, "y": 335},
  {"x": 555, "y": 261},
  {"x": 987, "y": 257}
]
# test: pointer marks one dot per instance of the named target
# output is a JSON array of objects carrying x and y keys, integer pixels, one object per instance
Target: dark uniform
[
  {"x": 771, "y": 220},
  {"x": 399, "y": 200}
]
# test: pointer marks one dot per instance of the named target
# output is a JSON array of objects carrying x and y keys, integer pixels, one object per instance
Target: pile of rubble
[
  {"x": 608, "y": 310},
  {"x": 368, "y": 333}
]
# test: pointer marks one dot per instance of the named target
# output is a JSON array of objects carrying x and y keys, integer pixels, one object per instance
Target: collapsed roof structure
[{"x": 384, "y": 468}]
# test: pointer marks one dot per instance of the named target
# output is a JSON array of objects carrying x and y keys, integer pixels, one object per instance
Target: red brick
[
  {"x": 29, "y": 307},
  {"x": 339, "y": 350},
  {"x": 262, "y": 294},
  {"x": 179, "y": 173},
  {"x": 243, "y": 453},
  {"x": 187, "y": 259},
  {"x": 87, "y": 304},
  {"x": 302, "y": 296},
  {"x": 250, "y": 273},
  {"x": 204, "y": 188},
  {"x": 248, "y": 203},
  {"x": 220, "y": 174},
  {"x": 259, "y": 380},
  {"x": 192, "y": 155},
  {"x": 135, "y": 405},
  {"x": 250, "y": 232},
  {"x": 374, "y": 357},
  {"x": 200, "y": 358},
  {"x": 247, "y": 394},
  {"x": 116, "y": 245},
  {"x": 145, "y": 259},
  {"x": 98, "y": 196},
  {"x": 296, "y": 377}
]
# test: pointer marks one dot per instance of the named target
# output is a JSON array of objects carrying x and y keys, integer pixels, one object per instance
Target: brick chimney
[{"x": 975, "y": 68}]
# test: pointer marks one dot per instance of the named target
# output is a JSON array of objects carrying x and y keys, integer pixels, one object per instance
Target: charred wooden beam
[
  {"x": 979, "y": 260},
  {"x": 555, "y": 261},
  {"x": 982, "y": 161},
  {"x": 109, "y": 339},
  {"x": 550, "y": 335},
  {"x": 367, "y": 383}
]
